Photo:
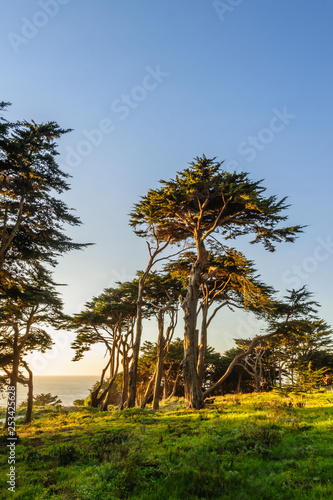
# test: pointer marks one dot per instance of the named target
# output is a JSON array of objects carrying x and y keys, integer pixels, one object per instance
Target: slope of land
[{"x": 268, "y": 446}]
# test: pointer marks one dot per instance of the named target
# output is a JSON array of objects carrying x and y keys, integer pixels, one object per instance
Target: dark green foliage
[
  {"x": 302, "y": 338},
  {"x": 46, "y": 400},
  {"x": 31, "y": 216},
  {"x": 230, "y": 201},
  {"x": 32, "y": 237},
  {"x": 204, "y": 202},
  {"x": 78, "y": 402}
]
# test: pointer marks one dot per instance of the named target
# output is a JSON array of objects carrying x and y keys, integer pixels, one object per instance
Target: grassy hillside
[{"x": 267, "y": 446}]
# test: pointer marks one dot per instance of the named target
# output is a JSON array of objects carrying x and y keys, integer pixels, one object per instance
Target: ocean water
[{"x": 66, "y": 387}]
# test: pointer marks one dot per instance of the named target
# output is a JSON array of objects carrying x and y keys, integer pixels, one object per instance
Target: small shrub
[
  {"x": 43, "y": 400},
  {"x": 78, "y": 402}
]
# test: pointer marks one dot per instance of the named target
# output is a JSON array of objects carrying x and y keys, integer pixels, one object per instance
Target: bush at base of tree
[{"x": 43, "y": 400}]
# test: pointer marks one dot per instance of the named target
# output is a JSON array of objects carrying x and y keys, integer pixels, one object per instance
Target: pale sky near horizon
[{"x": 149, "y": 85}]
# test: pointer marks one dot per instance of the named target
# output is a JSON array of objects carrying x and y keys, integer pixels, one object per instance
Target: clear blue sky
[{"x": 149, "y": 85}]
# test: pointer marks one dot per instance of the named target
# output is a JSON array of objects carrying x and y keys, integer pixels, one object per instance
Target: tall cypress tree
[
  {"x": 32, "y": 230},
  {"x": 201, "y": 201},
  {"x": 32, "y": 216}
]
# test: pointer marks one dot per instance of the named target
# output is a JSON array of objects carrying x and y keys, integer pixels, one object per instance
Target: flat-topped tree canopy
[
  {"x": 104, "y": 318},
  {"x": 112, "y": 308},
  {"x": 203, "y": 199}
]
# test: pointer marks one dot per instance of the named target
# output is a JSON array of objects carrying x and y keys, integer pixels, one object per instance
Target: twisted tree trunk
[
  {"x": 28, "y": 414},
  {"x": 160, "y": 359},
  {"x": 149, "y": 390},
  {"x": 137, "y": 342},
  {"x": 94, "y": 399},
  {"x": 192, "y": 388},
  {"x": 203, "y": 345}
]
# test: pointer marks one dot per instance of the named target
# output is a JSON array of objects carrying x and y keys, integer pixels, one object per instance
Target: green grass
[{"x": 268, "y": 446}]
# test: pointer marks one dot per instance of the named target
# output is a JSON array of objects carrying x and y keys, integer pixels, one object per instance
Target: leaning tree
[
  {"x": 202, "y": 202},
  {"x": 108, "y": 319}
]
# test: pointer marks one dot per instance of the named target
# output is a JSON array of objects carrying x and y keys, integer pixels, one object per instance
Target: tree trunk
[
  {"x": 203, "y": 345},
  {"x": 94, "y": 400},
  {"x": 124, "y": 397},
  {"x": 239, "y": 382},
  {"x": 103, "y": 406},
  {"x": 105, "y": 399},
  {"x": 256, "y": 381},
  {"x": 193, "y": 393},
  {"x": 165, "y": 386},
  {"x": 261, "y": 378},
  {"x": 148, "y": 391},
  {"x": 166, "y": 377},
  {"x": 160, "y": 359},
  {"x": 175, "y": 383},
  {"x": 28, "y": 414},
  {"x": 192, "y": 388},
  {"x": 236, "y": 360},
  {"x": 136, "y": 347}
]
